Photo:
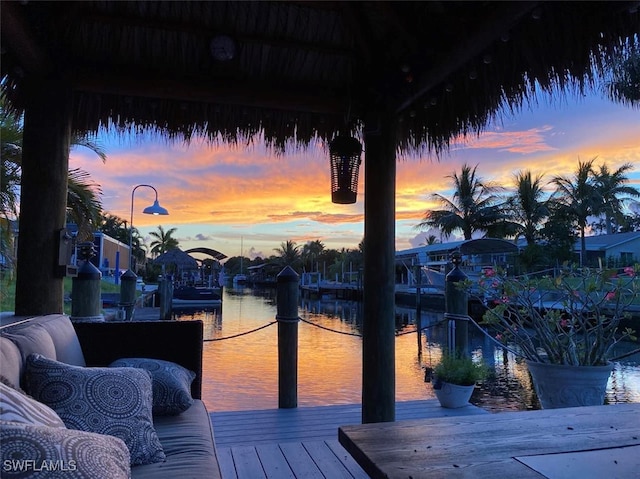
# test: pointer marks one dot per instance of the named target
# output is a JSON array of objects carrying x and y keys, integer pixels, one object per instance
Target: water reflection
[{"x": 242, "y": 372}]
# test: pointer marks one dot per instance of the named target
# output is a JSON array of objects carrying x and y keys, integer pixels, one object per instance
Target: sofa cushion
[
  {"x": 30, "y": 339},
  {"x": 11, "y": 364},
  {"x": 59, "y": 452},
  {"x": 17, "y": 407},
  {"x": 188, "y": 443},
  {"x": 64, "y": 338},
  {"x": 171, "y": 384},
  {"x": 113, "y": 401}
]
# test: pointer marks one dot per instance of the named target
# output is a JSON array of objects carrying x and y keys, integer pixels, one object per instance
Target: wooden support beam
[
  {"x": 464, "y": 51},
  {"x": 213, "y": 91},
  {"x": 378, "y": 344},
  {"x": 17, "y": 34},
  {"x": 43, "y": 199}
]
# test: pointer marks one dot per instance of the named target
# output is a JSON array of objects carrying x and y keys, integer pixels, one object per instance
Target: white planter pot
[
  {"x": 559, "y": 385},
  {"x": 453, "y": 395}
]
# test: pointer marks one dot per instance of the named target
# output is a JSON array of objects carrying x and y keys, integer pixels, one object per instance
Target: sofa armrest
[{"x": 177, "y": 341}]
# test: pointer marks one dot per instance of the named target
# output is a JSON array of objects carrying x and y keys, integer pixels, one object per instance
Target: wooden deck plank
[
  {"x": 326, "y": 460},
  {"x": 225, "y": 460},
  {"x": 300, "y": 462},
  {"x": 300, "y": 442},
  {"x": 349, "y": 462},
  {"x": 310, "y": 423},
  {"x": 247, "y": 462},
  {"x": 274, "y": 463}
]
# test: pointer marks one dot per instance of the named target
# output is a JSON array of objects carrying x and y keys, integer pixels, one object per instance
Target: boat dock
[{"x": 301, "y": 442}]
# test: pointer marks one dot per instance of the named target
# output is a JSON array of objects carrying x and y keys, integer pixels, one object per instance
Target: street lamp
[{"x": 154, "y": 209}]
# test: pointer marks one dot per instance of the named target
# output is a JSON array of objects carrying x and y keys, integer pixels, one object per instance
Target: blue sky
[{"x": 219, "y": 197}]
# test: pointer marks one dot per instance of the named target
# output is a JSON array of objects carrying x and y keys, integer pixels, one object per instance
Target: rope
[
  {"x": 422, "y": 329},
  {"x": 242, "y": 334},
  {"x": 329, "y": 329},
  {"x": 502, "y": 345}
]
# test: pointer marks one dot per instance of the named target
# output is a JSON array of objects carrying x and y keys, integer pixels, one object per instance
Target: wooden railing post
[
  {"x": 165, "y": 292},
  {"x": 457, "y": 308},
  {"x": 287, "y": 317}
]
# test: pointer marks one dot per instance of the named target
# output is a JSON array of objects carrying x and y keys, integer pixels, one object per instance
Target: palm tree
[
  {"x": 83, "y": 203},
  {"x": 527, "y": 207},
  {"x": 288, "y": 253},
  {"x": 83, "y": 195},
  {"x": 579, "y": 196},
  {"x": 474, "y": 207},
  {"x": 10, "y": 152},
  {"x": 163, "y": 241},
  {"x": 610, "y": 187},
  {"x": 432, "y": 239},
  {"x": 311, "y": 252}
]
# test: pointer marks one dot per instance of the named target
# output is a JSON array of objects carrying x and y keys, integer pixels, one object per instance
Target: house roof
[
  {"x": 605, "y": 242},
  {"x": 465, "y": 247},
  {"x": 302, "y": 70}
]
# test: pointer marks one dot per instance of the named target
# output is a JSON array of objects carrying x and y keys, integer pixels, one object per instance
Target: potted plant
[
  {"x": 454, "y": 379},
  {"x": 564, "y": 326}
]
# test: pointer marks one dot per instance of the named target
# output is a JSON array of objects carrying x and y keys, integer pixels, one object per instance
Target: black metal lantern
[{"x": 345, "y": 154}]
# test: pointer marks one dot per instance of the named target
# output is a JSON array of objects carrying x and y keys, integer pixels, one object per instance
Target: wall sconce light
[{"x": 345, "y": 152}]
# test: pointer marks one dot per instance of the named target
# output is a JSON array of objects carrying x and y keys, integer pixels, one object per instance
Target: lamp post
[
  {"x": 154, "y": 209},
  {"x": 128, "y": 280}
]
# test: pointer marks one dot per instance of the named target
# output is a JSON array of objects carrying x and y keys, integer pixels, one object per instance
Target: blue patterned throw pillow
[
  {"x": 171, "y": 384},
  {"x": 50, "y": 452},
  {"x": 112, "y": 401}
]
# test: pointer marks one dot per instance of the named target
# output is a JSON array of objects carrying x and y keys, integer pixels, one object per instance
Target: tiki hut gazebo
[{"x": 399, "y": 76}]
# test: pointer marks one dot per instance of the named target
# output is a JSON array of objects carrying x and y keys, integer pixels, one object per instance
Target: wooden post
[
  {"x": 128, "y": 293},
  {"x": 418, "y": 279},
  {"x": 165, "y": 292},
  {"x": 378, "y": 342},
  {"x": 287, "y": 317},
  {"x": 86, "y": 301},
  {"x": 457, "y": 308},
  {"x": 43, "y": 198}
]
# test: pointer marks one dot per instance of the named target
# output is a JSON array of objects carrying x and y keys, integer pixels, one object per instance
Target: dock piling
[
  {"x": 287, "y": 317},
  {"x": 457, "y": 308}
]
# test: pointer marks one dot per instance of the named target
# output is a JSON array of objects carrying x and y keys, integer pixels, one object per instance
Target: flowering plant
[{"x": 573, "y": 318}]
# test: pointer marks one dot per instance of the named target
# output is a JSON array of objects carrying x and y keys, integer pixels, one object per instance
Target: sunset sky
[{"x": 222, "y": 197}]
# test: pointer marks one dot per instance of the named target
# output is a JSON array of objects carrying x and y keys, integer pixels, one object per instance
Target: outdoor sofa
[{"x": 73, "y": 371}]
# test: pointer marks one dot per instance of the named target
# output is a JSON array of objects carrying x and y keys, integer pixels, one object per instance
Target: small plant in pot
[{"x": 455, "y": 377}]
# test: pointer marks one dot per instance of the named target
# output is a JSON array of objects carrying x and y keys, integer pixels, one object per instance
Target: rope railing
[
  {"x": 311, "y": 323},
  {"x": 242, "y": 334},
  {"x": 466, "y": 317},
  {"x": 346, "y": 333}
]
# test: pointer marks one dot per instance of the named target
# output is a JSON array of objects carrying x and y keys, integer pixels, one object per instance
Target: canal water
[{"x": 241, "y": 366}]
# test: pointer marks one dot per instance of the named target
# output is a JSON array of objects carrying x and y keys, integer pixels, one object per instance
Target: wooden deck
[{"x": 300, "y": 442}]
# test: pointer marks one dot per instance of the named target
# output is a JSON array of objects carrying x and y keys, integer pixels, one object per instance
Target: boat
[
  {"x": 185, "y": 296},
  {"x": 240, "y": 278}
]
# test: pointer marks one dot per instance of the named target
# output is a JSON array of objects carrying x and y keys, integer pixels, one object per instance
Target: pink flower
[
  {"x": 564, "y": 323},
  {"x": 630, "y": 271},
  {"x": 489, "y": 272},
  {"x": 499, "y": 337},
  {"x": 611, "y": 295}
]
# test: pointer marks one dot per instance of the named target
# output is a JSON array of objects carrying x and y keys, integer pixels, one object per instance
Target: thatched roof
[{"x": 305, "y": 69}]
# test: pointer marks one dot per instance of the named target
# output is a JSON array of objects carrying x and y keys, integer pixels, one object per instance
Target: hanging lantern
[{"x": 345, "y": 154}]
